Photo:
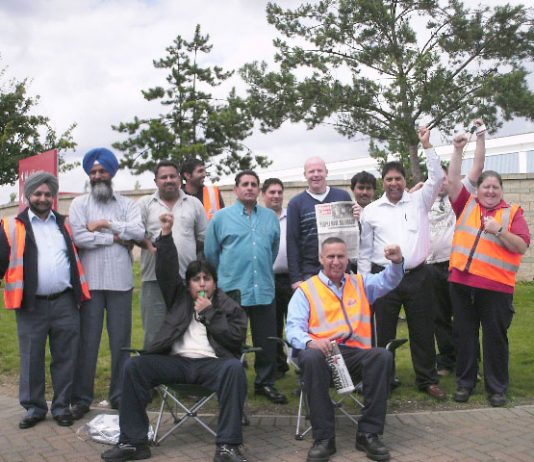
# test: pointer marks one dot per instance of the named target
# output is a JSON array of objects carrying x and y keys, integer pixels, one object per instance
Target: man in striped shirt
[{"x": 104, "y": 224}]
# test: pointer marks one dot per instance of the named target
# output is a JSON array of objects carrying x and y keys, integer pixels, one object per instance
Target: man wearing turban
[
  {"x": 104, "y": 224},
  {"x": 45, "y": 287}
]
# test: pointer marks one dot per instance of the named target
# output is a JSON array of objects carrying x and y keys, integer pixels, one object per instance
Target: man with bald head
[
  {"x": 104, "y": 225},
  {"x": 44, "y": 284},
  {"x": 302, "y": 241}
]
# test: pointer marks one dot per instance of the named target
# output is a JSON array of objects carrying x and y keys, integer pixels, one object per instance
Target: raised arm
[
  {"x": 455, "y": 168},
  {"x": 480, "y": 153},
  {"x": 167, "y": 266},
  {"x": 436, "y": 175}
]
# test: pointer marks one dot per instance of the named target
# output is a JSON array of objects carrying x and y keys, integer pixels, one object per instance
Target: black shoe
[
  {"x": 64, "y": 420},
  {"x": 79, "y": 410},
  {"x": 497, "y": 399},
  {"x": 124, "y": 451},
  {"x": 272, "y": 393},
  {"x": 228, "y": 453},
  {"x": 30, "y": 421},
  {"x": 321, "y": 450},
  {"x": 462, "y": 395},
  {"x": 372, "y": 445},
  {"x": 395, "y": 383}
]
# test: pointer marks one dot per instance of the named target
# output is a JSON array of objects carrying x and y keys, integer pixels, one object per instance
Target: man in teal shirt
[{"x": 242, "y": 243}]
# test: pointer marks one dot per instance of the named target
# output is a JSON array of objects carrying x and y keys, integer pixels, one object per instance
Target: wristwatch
[{"x": 499, "y": 232}]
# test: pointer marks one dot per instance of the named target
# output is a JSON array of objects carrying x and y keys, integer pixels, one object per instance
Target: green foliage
[
  {"x": 24, "y": 134},
  {"x": 377, "y": 67},
  {"x": 194, "y": 124}
]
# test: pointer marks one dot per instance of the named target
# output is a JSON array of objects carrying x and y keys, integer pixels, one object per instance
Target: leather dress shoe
[
  {"x": 64, "y": 420},
  {"x": 497, "y": 399},
  {"x": 30, "y": 421},
  {"x": 272, "y": 393},
  {"x": 228, "y": 453},
  {"x": 462, "y": 395},
  {"x": 321, "y": 450},
  {"x": 372, "y": 445},
  {"x": 436, "y": 392},
  {"x": 79, "y": 410}
]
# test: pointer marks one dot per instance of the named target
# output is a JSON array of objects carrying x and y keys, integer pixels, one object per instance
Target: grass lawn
[{"x": 405, "y": 398}]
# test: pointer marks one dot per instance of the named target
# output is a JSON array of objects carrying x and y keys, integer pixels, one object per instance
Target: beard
[{"x": 102, "y": 190}]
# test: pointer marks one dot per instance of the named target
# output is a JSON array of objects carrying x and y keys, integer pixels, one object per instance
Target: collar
[
  {"x": 244, "y": 210},
  {"x": 182, "y": 195},
  {"x": 406, "y": 197},
  {"x": 323, "y": 277},
  {"x": 32, "y": 216}
]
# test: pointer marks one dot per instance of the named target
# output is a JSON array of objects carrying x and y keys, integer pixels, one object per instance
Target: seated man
[
  {"x": 334, "y": 305},
  {"x": 199, "y": 343}
]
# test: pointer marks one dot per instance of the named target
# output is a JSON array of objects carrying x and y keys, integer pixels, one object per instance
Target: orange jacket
[
  {"x": 211, "y": 200},
  {"x": 482, "y": 253},
  {"x": 348, "y": 319},
  {"x": 15, "y": 231}
]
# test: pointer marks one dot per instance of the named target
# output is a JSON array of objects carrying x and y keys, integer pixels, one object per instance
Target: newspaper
[{"x": 335, "y": 220}]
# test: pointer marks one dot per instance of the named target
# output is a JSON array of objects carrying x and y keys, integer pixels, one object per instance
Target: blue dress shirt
[
  {"x": 243, "y": 248},
  {"x": 53, "y": 267},
  {"x": 298, "y": 314}
]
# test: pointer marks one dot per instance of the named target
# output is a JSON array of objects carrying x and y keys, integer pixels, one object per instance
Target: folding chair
[
  {"x": 184, "y": 402},
  {"x": 338, "y": 401}
]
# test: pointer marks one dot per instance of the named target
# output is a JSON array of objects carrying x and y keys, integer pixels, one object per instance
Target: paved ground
[{"x": 474, "y": 435}]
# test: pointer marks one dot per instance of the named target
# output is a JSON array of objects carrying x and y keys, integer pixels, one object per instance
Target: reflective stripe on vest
[
  {"x": 86, "y": 294},
  {"x": 480, "y": 253},
  {"x": 211, "y": 200},
  {"x": 348, "y": 319},
  {"x": 14, "y": 278}
]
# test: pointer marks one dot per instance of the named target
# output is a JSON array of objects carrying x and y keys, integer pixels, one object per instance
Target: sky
[{"x": 89, "y": 60}]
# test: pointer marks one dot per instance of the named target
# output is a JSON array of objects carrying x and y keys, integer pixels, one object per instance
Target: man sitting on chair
[
  {"x": 334, "y": 305},
  {"x": 199, "y": 343}
]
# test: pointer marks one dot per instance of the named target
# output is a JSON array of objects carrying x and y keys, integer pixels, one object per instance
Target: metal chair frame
[
  {"x": 180, "y": 411},
  {"x": 338, "y": 401}
]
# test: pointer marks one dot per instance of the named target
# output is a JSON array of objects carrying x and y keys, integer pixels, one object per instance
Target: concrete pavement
[{"x": 467, "y": 436}]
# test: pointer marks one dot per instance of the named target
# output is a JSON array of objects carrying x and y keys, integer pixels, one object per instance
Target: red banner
[{"x": 44, "y": 162}]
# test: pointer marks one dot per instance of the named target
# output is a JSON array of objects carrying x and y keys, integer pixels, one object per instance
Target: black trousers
[
  {"x": 414, "y": 293},
  {"x": 373, "y": 366},
  {"x": 439, "y": 275},
  {"x": 263, "y": 325},
  {"x": 283, "y": 293},
  {"x": 494, "y": 312},
  {"x": 142, "y": 373}
]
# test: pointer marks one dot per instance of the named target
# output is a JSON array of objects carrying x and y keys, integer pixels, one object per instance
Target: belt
[
  {"x": 378, "y": 268},
  {"x": 412, "y": 270},
  {"x": 441, "y": 263},
  {"x": 53, "y": 296}
]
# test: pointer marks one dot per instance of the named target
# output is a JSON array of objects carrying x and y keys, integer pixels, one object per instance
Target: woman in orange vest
[{"x": 490, "y": 239}]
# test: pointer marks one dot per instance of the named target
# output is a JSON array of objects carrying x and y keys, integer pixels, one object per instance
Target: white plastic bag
[{"x": 104, "y": 428}]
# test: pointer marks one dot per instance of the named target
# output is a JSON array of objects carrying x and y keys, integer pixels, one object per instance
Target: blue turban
[{"x": 104, "y": 157}]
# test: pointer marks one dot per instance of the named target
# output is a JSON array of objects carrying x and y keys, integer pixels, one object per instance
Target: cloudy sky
[{"x": 89, "y": 59}]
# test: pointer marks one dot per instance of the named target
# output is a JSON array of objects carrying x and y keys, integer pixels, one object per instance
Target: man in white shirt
[
  {"x": 272, "y": 192},
  {"x": 189, "y": 229},
  {"x": 402, "y": 217}
]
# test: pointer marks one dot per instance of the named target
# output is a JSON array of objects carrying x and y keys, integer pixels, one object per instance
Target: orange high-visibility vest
[
  {"x": 16, "y": 237},
  {"x": 330, "y": 317},
  {"x": 481, "y": 253},
  {"x": 211, "y": 201}
]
